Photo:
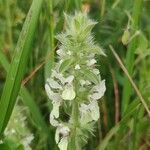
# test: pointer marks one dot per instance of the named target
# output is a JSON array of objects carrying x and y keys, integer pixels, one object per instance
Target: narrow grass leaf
[{"x": 16, "y": 71}]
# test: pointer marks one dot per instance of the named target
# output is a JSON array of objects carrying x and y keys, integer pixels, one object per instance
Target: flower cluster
[
  {"x": 17, "y": 130},
  {"x": 75, "y": 85}
]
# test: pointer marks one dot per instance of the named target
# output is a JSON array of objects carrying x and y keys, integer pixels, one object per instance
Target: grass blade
[{"x": 15, "y": 73}]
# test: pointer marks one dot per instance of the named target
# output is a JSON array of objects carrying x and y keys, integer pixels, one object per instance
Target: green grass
[{"x": 27, "y": 40}]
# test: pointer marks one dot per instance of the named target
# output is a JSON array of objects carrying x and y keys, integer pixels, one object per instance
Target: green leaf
[
  {"x": 89, "y": 75},
  {"x": 65, "y": 65},
  {"x": 16, "y": 71}
]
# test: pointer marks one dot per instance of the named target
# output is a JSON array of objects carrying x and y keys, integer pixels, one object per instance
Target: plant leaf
[{"x": 16, "y": 71}]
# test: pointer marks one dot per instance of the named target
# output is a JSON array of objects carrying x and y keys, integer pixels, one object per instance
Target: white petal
[
  {"x": 91, "y": 62},
  {"x": 60, "y": 52},
  {"x": 48, "y": 90},
  {"x": 52, "y": 96},
  {"x": 87, "y": 82},
  {"x": 53, "y": 84},
  {"x": 59, "y": 76},
  {"x": 53, "y": 121},
  {"x": 82, "y": 82},
  {"x": 98, "y": 90},
  {"x": 77, "y": 67},
  {"x": 64, "y": 130},
  {"x": 69, "y": 79},
  {"x": 68, "y": 93},
  {"x": 96, "y": 71},
  {"x": 55, "y": 110},
  {"x": 94, "y": 110},
  {"x": 85, "y": 114},
  {"x": 63, "y": 144},
  {"x": 57, "y": 135}
]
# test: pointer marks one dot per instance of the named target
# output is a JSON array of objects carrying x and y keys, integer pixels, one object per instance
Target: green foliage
[
  {"x": 124, "y": 123},
  {"x": 14, "y": 76}
]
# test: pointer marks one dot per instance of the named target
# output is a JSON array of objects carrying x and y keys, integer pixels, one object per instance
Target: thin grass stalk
[{"x": 131, "y": 81}]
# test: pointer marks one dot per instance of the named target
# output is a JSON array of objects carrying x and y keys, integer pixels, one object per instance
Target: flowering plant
[{"x": 75, "y": 85}]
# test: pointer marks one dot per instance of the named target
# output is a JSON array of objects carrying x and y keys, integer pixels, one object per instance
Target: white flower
[
  {"x": 27, "y": 141},
  {"x": 77, "y": 67},
  {"x": 98, "y": 90},
  {"x": 56, "y": 101},
  {"x": 94, "y": 110},
  {"x": 84, "y": 82},
  {"x": 61, "y": 53},
  {"x": 61, "y": 136},
  {"x": 68, "y": 93},
  {"x": 58, "y": 76},
  {"x": 53, "y": 84},
  {"x": 52, "y": 95},
  {"x": 89, "y": 112},
  {"x": 96, "y": 71},
  {"x": 53, "y": 121},
  {"x": 69, "y": 79},
  {"x": 91, "y": 62},
  {"x": 63, "y": 144},
  {"x": 64, "y": 90}
]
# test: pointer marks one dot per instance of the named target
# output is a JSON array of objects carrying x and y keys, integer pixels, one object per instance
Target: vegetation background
[{"x": 27, "y": 53}]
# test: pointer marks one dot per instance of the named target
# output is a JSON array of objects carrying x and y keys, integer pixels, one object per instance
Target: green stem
[
  {"x": 8, "y": 23},
  {"x": 130, "y": 54},
  {"x": 103, "y": 4},
  {"x": 75, "y": 116}
]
